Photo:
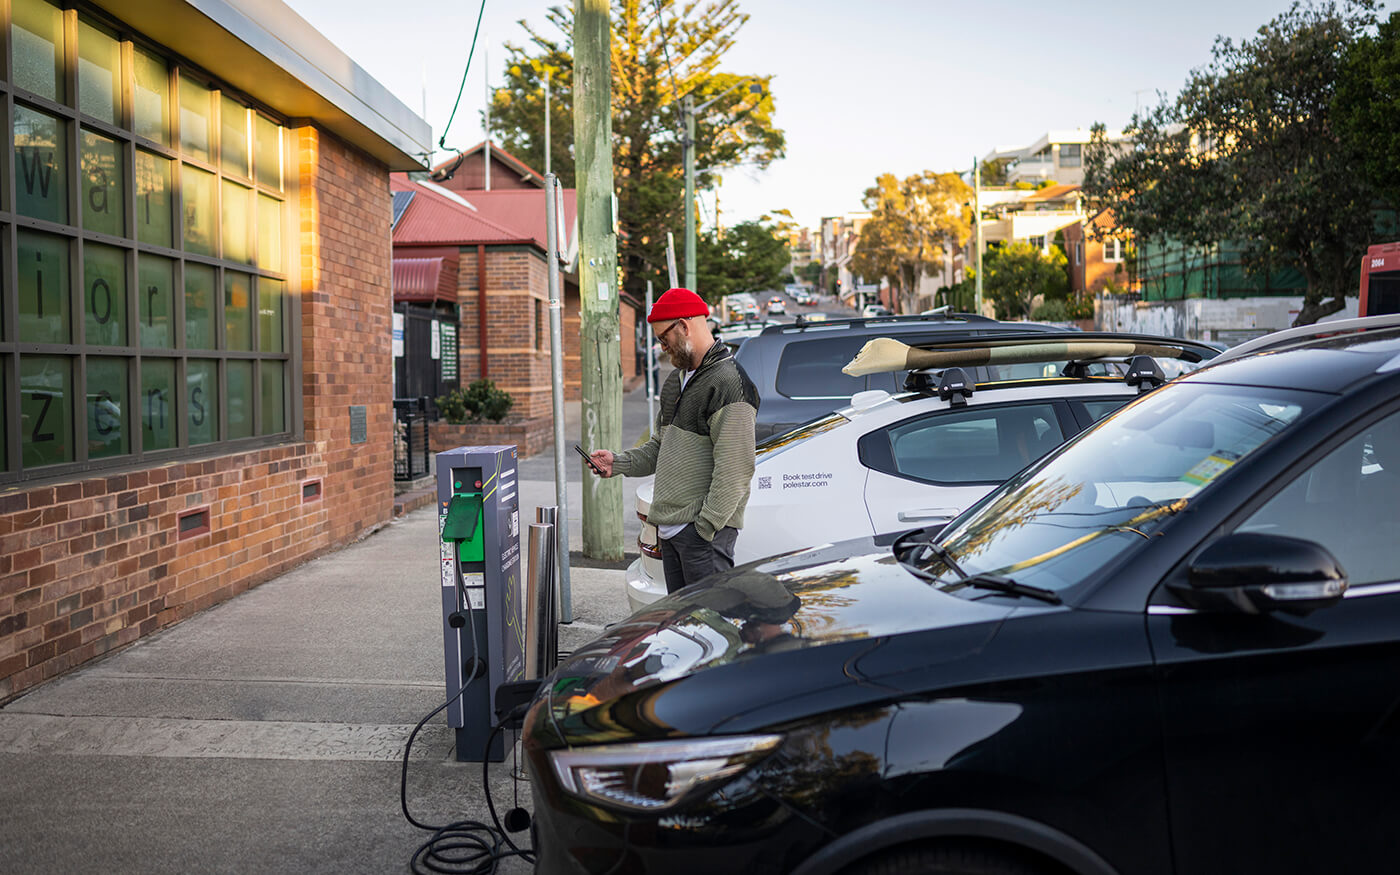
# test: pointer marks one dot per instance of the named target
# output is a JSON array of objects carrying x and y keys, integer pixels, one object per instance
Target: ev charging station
[{"x": 484, "y": 611}]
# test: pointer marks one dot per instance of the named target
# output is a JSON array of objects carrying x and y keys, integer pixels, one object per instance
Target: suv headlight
[{"x": 655, "y": 776}]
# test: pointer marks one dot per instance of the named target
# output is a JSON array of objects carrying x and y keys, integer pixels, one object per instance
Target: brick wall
[{"x": 95, "y": 562}]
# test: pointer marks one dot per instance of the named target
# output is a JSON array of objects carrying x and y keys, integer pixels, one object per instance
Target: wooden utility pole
[{"x": 601, "y": 347}]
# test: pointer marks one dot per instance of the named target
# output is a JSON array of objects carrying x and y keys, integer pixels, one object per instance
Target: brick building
[
  {"x": 195, "y": 365},
  {"x": 493, "y": 244},
  {"x": 1094, "y": 262}
]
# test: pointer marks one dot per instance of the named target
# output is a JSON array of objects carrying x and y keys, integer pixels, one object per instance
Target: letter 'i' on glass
[
  {"x": 36, "y": 30},
  {"x": 45, "y": 423},
  {"x": 103, "y": 191},
  {"x": 240, "y": 398},
  {"x": 199, "y": 306},
  {"x": 202, "y": 400},
  {"x": 43, "y": 288},
  {"x": 155, "y": 301},
  {"x": 104, "y": 295},
  {"x": 152, "y": 198},
  {"x": 107, "y": 411},
  {"x": 156, "y": 405},
  {"x": 41, "y": 165},
  {"x": 99, "y": 73},
  {"x": 274, "y": 418}
]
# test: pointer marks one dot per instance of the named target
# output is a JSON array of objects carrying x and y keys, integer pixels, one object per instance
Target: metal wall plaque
[{"x": 359, "y": 424}]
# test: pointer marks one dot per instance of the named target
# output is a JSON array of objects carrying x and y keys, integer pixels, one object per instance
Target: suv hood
[{"x": 763, "y": 634}]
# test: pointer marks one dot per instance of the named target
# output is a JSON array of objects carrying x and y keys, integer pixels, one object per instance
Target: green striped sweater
[{"x": 701, "y": 447}]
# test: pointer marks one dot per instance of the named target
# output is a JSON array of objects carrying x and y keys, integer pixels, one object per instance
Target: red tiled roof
[
  {"x": 499, "y": 217},
  {"x": 424, "y": 279},
  {"x": 497, "y": 153},
  {"x": 1053, "y": 192}
]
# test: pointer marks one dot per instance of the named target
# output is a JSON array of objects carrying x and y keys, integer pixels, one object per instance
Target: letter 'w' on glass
[{"x": 41, "y": 165}]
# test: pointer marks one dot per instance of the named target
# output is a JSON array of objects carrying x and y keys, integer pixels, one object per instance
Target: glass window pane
[
  {"x": 43, "y": 288},
  {"x": 41, "y": 165},
  {"x": 269, "y": 157},
  {"x": 238, "y": 310},
  {"x": 233, "y": 123},
  {"x": 240, "y": 398},
  {"x": 152, "y": 199},
  {"x": 4, "y": 432},
  {"x": 237, "y": 222},
  {"x": 270, "y": 303},
  {"x": 202, "y": 394},
  {"x": 273, "y": 416},
  {"x": 104, "y": 295},
  {"x": 269, "y": 233},
  {"x": 198, "y": 194},
  {"x": 99, "y": 73},
  {"x": 156, "y": 301},
  {"x": 152, "y": 110},
  {"x": 196, "y": 119},
  {"x": 46, "y": 393},
  {"x": 199, "y": 306},
  {"x": 104, "y": 206},
  {"x": 108, "y": 414},
  {"x": 157, "y": 404},
  {"x": 37, "y": 30}
]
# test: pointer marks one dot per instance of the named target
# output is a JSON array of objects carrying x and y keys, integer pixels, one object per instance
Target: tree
[
  {"x": 915, "y": 222},
  {"x": 1248, "y": 154},
  {"x": 810, "y": 272},
  {"x": 1366, "y": 102},
  {"x": 1017, "y": 272},
  {"x": 662, "y": 51},
  {"x": 748, "y": 257}
]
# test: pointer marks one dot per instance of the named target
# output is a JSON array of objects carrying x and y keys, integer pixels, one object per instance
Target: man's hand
[{"x": 604, "y": 460}]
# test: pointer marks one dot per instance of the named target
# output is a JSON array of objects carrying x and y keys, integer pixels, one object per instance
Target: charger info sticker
[{"x": 1210, "y": 467}]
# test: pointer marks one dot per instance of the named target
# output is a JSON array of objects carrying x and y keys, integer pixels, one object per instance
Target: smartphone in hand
[{"x": 586, "y": 458}]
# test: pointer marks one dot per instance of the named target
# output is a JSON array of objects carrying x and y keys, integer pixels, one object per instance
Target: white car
[
  {"x": 892, "y": 463},
  {"x": 870, "y": 311}
]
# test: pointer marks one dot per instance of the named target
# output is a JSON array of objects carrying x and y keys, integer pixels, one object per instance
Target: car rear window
[{"x": 812, "y": 369}]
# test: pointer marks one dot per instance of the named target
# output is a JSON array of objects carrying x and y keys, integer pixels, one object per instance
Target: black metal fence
[{"x": 410, "y": 438}]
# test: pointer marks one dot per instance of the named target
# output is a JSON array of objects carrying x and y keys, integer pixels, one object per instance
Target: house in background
[{"x": 1097, "y": 255}]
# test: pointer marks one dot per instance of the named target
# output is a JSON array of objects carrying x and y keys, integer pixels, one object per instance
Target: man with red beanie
[{"x": 701, "y": 447}]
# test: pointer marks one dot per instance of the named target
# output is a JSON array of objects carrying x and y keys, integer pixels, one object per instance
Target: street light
[{"x": 690, "y": 111}]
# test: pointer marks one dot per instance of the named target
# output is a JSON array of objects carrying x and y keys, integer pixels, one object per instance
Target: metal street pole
[
  {"x": 486, "y": 86},
  {"x": 547, "y": 74},
  {"x": 670, "y": 260},
  {"x": 977, "y": 218},
  {"x": 651, "y": 364},
  {"x": 556, "y": 368},
  {"x": 688, "y": 145}
]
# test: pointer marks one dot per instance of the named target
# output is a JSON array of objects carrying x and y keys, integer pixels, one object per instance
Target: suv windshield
[{"x": 1053, "y": 526}]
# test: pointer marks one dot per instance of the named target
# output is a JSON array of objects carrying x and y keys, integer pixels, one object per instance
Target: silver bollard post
[
  {"x": 541, "y": 544},
  {"x": 551, "y": 595}
]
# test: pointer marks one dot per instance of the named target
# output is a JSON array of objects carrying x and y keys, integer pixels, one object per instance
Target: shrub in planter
[{"x": 480, "y": 402}]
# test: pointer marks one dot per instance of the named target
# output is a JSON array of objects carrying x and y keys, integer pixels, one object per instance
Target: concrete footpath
[{"x": 266, "y": 734}]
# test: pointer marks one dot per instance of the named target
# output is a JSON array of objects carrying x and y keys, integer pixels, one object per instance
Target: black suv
[
  {"x": 1171, "y": 646},
  {"x": 797, "y": 366}
]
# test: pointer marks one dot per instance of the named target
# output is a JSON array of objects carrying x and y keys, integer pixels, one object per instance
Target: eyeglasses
[{"x": 661, "y": 338}]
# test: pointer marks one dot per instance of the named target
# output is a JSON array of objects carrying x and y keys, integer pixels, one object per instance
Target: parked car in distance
[
  {"x": 1171, "y": 646},
  {"x": 797, "y": 367},
  {"x": 888, "y": 463},
  {"x": 870, "y": 311},
  {"x": 777, "y": 306}
]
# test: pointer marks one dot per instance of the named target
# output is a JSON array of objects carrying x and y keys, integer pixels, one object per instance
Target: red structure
[{"x": 1380, "y": 280}]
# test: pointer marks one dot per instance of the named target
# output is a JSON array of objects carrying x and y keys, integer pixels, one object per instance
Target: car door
[
  {"x": 1282, "y": 733},
  {"x": 928, "y": 468}
]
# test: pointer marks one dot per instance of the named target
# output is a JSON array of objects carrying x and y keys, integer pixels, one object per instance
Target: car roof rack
[
  {"x": 1278, "y": 339},
  {"x": 802, "y": 322},
  {"x": 886, "y": 354}
]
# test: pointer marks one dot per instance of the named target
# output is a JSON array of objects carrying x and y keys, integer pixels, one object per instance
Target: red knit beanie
[{"x": 677, "y": 304}]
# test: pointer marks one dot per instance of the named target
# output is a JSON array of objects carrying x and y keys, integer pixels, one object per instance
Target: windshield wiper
[{"x": 984, "y": 580}]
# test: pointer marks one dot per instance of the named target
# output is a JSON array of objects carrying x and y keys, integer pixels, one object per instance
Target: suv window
[
  {"x": 1348, "y": 502},
  {"x": 812, "y": 368},
  {"x": 980, "y": 445}
]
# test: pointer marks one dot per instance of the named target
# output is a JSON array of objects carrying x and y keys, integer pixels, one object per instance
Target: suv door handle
[{"x": 927, "y": 514}]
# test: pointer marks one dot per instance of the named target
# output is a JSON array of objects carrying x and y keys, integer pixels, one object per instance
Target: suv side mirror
[{"x": 1256, "y": 573}]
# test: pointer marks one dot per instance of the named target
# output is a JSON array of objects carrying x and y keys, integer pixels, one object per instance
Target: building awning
[{"x": 425, "y": 280}]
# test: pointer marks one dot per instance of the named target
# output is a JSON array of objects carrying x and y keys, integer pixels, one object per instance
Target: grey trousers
[{"x": 688, "y": 558}]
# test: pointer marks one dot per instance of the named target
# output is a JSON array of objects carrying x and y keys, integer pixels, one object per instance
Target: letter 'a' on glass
[
  {"x": 108, "y": 413},
  {"x": 45, "y": 402},
  {"x": 42, "y": 262},
  {"x": 103, "y": 191},
  {"x": 156, "y": 406},
  {"x": 41, "y": 165},
  {"x": 202, "y": 400},
  {"x": 36, "y": 34}
]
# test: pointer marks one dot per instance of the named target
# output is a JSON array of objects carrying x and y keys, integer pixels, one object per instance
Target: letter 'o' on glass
[{"x": 104, "y": 295}]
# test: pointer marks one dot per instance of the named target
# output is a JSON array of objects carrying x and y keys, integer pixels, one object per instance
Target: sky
[{"x": 860, "y": 89}]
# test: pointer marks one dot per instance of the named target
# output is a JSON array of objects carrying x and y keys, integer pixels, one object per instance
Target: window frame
[{"x": 77, "y": 237}]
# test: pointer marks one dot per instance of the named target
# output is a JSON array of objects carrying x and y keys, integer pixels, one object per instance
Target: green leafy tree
[
  {"x": 1016, "y": 273},
  {"x": 993, "y": 173},
  {"x": 662, "y": 50},
  {"x": 1367, "y": 98},
  {"x": 1249, "y": 154},
  {"x": 810, "y": 272},
  {"x": 915, "y": 222},
  {"x": 748, "y": 257}
]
